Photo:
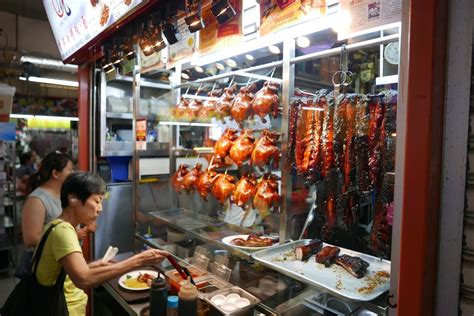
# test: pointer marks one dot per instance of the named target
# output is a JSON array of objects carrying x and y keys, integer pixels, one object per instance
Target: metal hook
[
  {"x": 389, "y": 303},
  {"x": 198, "y": 89},
  {"x": 231, "y": 82},
  {"x": 342, "y": 78}
]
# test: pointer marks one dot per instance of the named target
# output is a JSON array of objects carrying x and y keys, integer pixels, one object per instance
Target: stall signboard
[
  {"x": 215, "y": 36},
  {"x": 279, "y": 14},
  {"x": 7, "y": 131},
  {"x": 368, "y": 15},
  {"x": 76, "y": 23},
  {"x": 184, "y": 48},
  {"x": 140, "y": 132}
]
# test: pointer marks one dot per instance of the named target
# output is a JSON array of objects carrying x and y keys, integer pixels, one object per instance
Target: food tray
[{"x": 335, "y": 278}]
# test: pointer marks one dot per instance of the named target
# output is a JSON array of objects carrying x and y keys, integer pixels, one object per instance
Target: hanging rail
[{"x": 350, "y": 47}]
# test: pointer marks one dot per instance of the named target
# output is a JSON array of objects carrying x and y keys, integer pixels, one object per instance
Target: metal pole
[
  {"x": 136, "y": 154},
  {"x": 286, "y": 183},
  {"x": 176, "y": 93}
]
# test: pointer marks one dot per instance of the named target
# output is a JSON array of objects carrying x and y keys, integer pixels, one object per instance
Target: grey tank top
[{"x": 51, "y": 204}]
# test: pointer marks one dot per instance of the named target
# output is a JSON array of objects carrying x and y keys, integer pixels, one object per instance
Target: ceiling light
[
  {"x": 157, "y": 42},
  {"x": 146, "y": 45},
  {"x": 249, "y": 57},
  {"x": 220, "y": 66},
  {"x": 199, "y": 69},
  {"x": 116, "y": 58},
  {"x": 171, "y": 33},
  {"x": 47, "y": 62},
  {"x": 44, "y": 117},
  {"x": 274, "y": 49},
  {"x": 59, "y": 82},
  {"x": 231, "y": 63},
  {"x": 194, "y": 22},
  {"x": 185, "y": 75},
  {"x": 303, "y": 42},
  {"x": 223, "y": 11}
]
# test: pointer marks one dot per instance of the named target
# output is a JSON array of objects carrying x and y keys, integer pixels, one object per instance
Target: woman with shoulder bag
[{"x": 81, "y": 199}]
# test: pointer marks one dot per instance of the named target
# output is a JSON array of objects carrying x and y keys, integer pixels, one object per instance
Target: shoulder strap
[{"x": 39, "y": 249}]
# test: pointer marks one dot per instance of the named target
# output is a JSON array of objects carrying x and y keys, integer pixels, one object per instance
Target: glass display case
[{"x": 269, "y": 149}]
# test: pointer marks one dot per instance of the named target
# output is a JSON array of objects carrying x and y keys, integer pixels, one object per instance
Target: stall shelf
[{"x": 193, "y": 221}]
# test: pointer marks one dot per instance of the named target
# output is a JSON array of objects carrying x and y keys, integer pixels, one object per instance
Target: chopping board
[{"x": 132, "y": 296}]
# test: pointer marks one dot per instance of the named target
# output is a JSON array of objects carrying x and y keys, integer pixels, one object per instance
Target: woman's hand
[{"x": 152, "y": 256}]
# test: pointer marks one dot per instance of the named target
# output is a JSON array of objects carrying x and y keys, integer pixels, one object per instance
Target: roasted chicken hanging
[
  {"x": 223, "y": 144},
  {"x": 204, "y": 183},
  {"x": 267, "y": 101},
  {"x": 224, "y": 104},
  {"x": 181, "y": 109},
  {"x": 242, "y": 147},
  {"x": 208, "y": 108},
  {"x": 265, "y": 150},
  {"x": 190, "y": 178},
  {"x": 267, "y": 194},
  {"x": 241, "y": 108},
  {"x": 223, "y": 187},
  {"x": 192, "y": 113},
  {"x": 178, "y": 178},
  {"x": 244, "y": 190}
]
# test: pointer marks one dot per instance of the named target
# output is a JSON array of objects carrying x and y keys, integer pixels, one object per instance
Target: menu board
[
  {"x": 279, "y": 14},
  {"x": 216, "y": 36},
  {"x": 368, "y": 15},
  {"x": 76, "y": 23}
]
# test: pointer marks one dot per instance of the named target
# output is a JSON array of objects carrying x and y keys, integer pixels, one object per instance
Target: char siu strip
[
  {"x": 327, "y": 255},
  {"x": 354, "y": 265},
  {"x": 305, "y": 252}
]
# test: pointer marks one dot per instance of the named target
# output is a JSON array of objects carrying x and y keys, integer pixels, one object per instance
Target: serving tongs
[
  {"x": 183, "y": 272},
  {"x": 310, "y": 217}
]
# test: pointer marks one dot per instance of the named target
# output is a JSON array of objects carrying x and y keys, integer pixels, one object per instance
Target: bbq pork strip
[
  {"x": 303, "y": 253},
  {"x": 354, "y": 265},
  {"x": 327, "y": 255}
]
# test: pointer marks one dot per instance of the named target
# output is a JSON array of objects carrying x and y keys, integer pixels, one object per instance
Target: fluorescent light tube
[{"x": 59, "y": 82}]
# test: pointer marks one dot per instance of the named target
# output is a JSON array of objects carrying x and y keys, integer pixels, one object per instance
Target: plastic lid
[
  {"x": 172, "y": 301},
  {"x": 187, "y": 291}
]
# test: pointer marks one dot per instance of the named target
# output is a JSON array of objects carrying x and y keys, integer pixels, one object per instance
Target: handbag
[
  {"x": 23, "y": 267},
  {"x": 29, "y": 297}
]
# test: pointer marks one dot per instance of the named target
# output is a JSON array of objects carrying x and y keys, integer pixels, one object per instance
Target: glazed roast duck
[
  {"x": 204, "y": 183},
  {"x": 223, "y": 187},
  {"x": 223, "y": 144},
  {"x": 223, "y": 105},
  {"x": 208, "y": 108},
  {"x": 178, "y": 177},
  {"x": 244, "y": 190},
  {"x": 181, "y": 109},
  {"x": 267, "y": 193},
  {"x": 190, "y": 178},
  {"x": 242, "y": 105},
  {"x": 265, "y": 150},
  {"x": 242, "y": 147},
  {"x": 267, "y": 101},
  {"x": 192, "y": 113}
]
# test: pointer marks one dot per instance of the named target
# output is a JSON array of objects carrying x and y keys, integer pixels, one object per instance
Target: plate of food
[
  {"x": 250, "y": 242},
  {"x": 137, "y": 280}
]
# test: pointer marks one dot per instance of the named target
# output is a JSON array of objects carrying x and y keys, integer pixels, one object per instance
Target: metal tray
[{"x": 335, "y": 278}]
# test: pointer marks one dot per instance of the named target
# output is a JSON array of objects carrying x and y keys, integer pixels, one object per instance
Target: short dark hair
[
  {"x": 82, "y": 185},
  {"x": 25, "y": 157}
]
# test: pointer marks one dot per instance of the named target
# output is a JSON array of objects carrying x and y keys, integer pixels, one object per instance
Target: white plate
[
  {"x": 135, "y": 274},
  {"x": 228, "y": 241}
]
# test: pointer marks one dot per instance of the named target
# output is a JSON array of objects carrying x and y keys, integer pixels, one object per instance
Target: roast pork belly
[
  {"x": 327, "y": 255},
  {"x": 354, "y": 265}
]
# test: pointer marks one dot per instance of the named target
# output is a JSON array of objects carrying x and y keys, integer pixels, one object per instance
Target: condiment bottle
[
  {"x": 187, "y": 300},
  {"x": 172, "y": 306},
  {"x": 158, "y": 295}
]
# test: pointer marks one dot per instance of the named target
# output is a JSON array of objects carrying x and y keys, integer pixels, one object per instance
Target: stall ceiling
[{"x": 28, "y": 8}]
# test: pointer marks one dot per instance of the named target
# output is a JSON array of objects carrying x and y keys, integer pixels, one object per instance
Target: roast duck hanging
[
  {"x": 224, "y": 144},
  {"x": 181, "y": 109},
  {"x": 244, "y": 190},
  {"x": 192, "y": 113},
  {"x": 178, "y": 178},
  {"x": 223, "y": 105},
  {"x": 267, "y": 193},
  {"x": 267, "y": 101},
  {"x": 265, "y": 150},
  {"x": 224, "y": 186},
  {"x": 242, "y": 105},
  {"x": 242, "y": 147},
  {"x": 205, "y": 182},
  {"x": 208, "y": 108},
  {"x": 190, "y": 178}
]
